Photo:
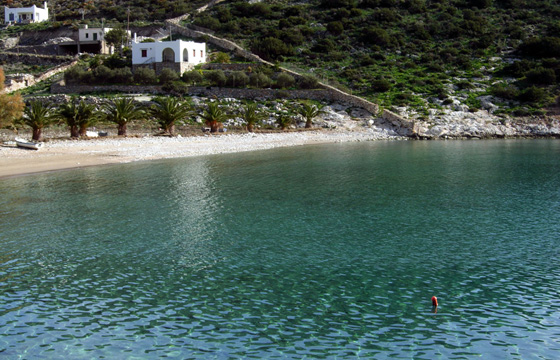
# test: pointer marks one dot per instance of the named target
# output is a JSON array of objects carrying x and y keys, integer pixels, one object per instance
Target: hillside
[
  {"x": 426, "y": 55},
  {"x": 404, "y": 52}
]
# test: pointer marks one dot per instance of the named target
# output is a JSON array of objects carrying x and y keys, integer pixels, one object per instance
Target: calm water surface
[{"x": 330, "y": 251}]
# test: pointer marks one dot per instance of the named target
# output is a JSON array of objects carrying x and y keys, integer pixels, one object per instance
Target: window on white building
[{"x": 144, "y": 53}]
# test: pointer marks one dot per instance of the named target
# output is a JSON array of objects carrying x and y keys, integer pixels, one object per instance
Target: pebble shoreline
[{"x": 64, "y": 154}]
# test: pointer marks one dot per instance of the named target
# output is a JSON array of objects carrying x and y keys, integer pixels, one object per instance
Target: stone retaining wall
[
  {"x": 21, "y": 81},
  {"x": 33, "y": 59},
  {"x": 259, "y": 94},
  {"x": 79, "y": 89},
  {"x": 400, "y": 121},
  {"x": 230, "y": 67}
]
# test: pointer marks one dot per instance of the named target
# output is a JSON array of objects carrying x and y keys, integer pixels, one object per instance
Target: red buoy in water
[{"x": 434, "y": 301}]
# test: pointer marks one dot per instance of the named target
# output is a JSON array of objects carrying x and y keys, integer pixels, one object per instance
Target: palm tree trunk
[
  {"x": 37, "y": 134},
  {"x": 250, "y": 127},
  {"x": 214, "y": 126},
  {"x": 74, "y": 131},
  {"x": 171, "y": 129},
  {"x": 121, "y": 131},
  {"x": 308, "y": 124},
  {"x": 83, "y": 130}
]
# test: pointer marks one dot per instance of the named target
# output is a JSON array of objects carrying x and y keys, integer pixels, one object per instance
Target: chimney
[
  {"x": 45, "y": 5},
  {"x": 85, "y": 26},
  {"x": 135, "y": 39}
]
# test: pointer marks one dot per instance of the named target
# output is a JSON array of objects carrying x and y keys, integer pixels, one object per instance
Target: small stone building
[
  {"x": 26, "y": 15},
  {"x": 177, "y": 55}
]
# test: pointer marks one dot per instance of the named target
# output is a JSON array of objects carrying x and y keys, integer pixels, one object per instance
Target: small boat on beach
[{"x": 29, "y": 144}]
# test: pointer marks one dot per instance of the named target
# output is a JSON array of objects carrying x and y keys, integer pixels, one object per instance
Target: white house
[
  {"x": 93, "y": 34},
  {"x": 178, "y": 55},
  {"x": 26, "y": 15}
]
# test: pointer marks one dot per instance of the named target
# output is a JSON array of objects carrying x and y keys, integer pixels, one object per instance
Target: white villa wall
[
  {"x": 28, "y": 14},
  {"x": 188, "y": 52}
]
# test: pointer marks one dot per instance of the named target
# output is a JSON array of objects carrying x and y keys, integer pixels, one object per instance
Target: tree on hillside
[
  {"x": 11, "y": 106},
  {"x": 167, "y": 111},
  {"x": 38, "y": 116},
  {"x": 214, "y": 116},
  {"x": 220, "y": 58},
  {"x": 117, "y": 37},
  {"x": 121, "y": 112},
  {"x": 309, "y": 112}
]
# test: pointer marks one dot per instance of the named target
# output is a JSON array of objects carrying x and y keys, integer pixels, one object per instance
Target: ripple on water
[{"x": 334, "y": 254}]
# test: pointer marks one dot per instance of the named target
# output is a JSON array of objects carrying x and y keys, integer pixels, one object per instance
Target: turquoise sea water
[{"x": 330, "y": 251}]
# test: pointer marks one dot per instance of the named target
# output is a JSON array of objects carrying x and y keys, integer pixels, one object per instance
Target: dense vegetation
[
  {"x": 398, "y": 52},
  {"x": 111, "y": 10},
  {"x": 421, "y": 53}
]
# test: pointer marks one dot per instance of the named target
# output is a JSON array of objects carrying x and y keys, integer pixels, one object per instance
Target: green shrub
[
  {"x": 215, "y": 77},
  {"x": 145, "y": 76},
  {"x": 285, "y": 81},
  {"x": 122, "y": 75},
  {"x": 102, "y": 74},
  {"x": 532, "y": 94},
  {"x": 381, "y": 85},
  {"x": 308, "y": 82},
  {"x": 541, "y": 47},
  {"x": 168, "y": 75},
  {"x": 237, "y": 79},
  {"x": 192, "y": 77},
  {"x": 541, "y": 76},
  {"x": 508, "y": 92},
  {"x": 259, "y": 80}
]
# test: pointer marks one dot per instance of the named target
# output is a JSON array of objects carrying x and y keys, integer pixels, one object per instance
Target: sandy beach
[{"x": 67, "y": 154}]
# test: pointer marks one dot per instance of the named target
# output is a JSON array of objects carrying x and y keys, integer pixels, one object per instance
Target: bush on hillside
[
  {"x": 541, "y": 76},
  {"x": 308, "y": 82},
  {"x": 285, "y": 81},
  {"x": 215, "y": 77},
  {"x": 237, "y": 79},
  {"x": 168, "y": 75},
  {"x": 192, "y": 77},
  {"x": 259, "y": 80},
  {"x": 541, "y": 47},
  {"x": 145, "y": 76}
]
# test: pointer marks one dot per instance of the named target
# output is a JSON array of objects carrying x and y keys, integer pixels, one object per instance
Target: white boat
[
  {"x": 92, "y": 134},
  {"x": 29, "y": 144}
]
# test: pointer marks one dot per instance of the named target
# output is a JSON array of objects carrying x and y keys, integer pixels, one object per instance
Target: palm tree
[
  {"x": 284, "y": 120},
  {"x": 69, "y": 113},
  {"x": 122, "y": 111},
  {"x": 77, "y": 117},
  {"x": 87, "y": 116},
  {"x": 251, "y": 116},
  {"x": 167, "y": 111},
  {"x": 308, "y": 113},
  {"x": 37, "y": 116},
  {"x": 214, "y": 116}
]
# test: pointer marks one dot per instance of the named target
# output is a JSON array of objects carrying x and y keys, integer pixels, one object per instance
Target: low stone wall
[
  {"x": 259, "y": 94},
  {"x": 34, "y": 59},
  {"x": 22, "y": 81},
  {"x": 79, "y": 89},
  {"x": 400, "y": 121},
  {"x": 230, "y": 67}
]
